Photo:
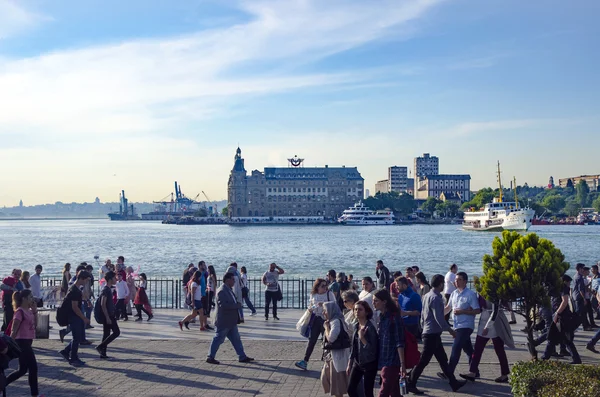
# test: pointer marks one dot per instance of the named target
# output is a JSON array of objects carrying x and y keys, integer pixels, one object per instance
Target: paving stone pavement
[{"x": 174, "y": 365}]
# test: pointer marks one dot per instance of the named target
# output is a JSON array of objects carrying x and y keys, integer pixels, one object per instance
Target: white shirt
[
  {"x": 122, "y": 289},
  {"x": 198, "y": 293},
  {"x": 449, "y": 280},
  {"x": 36, "y": 285},
  {"x": 244, "y": 280}
]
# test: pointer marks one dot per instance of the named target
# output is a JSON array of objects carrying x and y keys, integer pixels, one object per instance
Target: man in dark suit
[{"x": 227, "y": 321}]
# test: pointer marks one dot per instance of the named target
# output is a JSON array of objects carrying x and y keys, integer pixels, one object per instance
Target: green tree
[
  {"x": 483, "y": 197},
  {"x": 554, "y": 203},
  {"x": 582, "y": 190},
  {"x": 596, "y": 204},
  {"x": 430, "y": 204},
  {"x": 225, "y": 211},
  {"x": 527, "y": 269},
  {"x": 402, "y": 203},
  {"x": 572, "y": 208}
]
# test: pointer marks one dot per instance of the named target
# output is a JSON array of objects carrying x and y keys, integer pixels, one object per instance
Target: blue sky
[{"x": 99, "y": 96}]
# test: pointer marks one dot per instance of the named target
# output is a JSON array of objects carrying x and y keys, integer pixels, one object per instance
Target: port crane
[{"x": 211, "y": 202}]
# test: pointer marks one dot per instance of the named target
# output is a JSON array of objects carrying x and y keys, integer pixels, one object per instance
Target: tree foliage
[
  {"x": 554, "y": 203},
  {"x": 430, "y": 204},
  {"x": 583, "y": 191},
  {"x": 527, "y": 269},
  {"x": 596, "y": 204},
  {"x": 572, "y": 208},
  {"x": 483, "y": 197},
  {"x": 401, "y": 203}
]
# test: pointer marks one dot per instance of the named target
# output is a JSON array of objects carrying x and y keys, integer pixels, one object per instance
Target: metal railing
[{"x": 168, "y": 293}]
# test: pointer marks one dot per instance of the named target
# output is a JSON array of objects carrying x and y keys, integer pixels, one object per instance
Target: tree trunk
[{"x": 530, "y": 324}]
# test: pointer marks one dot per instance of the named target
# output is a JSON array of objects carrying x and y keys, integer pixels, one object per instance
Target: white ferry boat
[
  {"x": 499, "y": 215},
  {"x": 361, "y": 215}
]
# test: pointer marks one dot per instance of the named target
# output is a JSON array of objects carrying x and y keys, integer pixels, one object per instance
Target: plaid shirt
[{"x": 391, "y": 337}]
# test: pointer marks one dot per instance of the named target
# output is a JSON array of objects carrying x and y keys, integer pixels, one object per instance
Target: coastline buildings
[
  {"x": 593, "y": 181},
  {"x": 292, "y": 191},
  {"x": 397, "y": 179},
  {"x": 382, "y": 186},
  {"x": 444, "y": 186},
  {"x": 426, "y": 165}
]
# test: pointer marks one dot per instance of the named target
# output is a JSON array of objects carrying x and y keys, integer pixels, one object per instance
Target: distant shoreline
[{"x": 39, "y": 218}]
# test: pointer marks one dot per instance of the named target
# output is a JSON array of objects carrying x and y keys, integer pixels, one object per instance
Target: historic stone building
[{"x": 293, "y": 191}]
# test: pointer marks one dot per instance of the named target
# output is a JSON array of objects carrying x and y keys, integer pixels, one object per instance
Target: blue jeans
[
  {"x": 78, "y": 331},
  {"x": 462, "y": 342},
  {"x": 249, "y": 304},
  {"x": 595, "y": 339},
  {"x": 234, "y": 337}
]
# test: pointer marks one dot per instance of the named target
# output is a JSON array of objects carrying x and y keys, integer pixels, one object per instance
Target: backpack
[
  {"x": 98, "y": 313},
  {"x": 62, "y": 314}
]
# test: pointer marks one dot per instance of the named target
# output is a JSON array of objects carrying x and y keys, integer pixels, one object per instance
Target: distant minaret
[{"x": 551, "y": 183}]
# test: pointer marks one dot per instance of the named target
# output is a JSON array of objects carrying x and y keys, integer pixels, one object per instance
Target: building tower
[
  {"x": 551, "y": 183},
  {"x": 237, "y": 187}
]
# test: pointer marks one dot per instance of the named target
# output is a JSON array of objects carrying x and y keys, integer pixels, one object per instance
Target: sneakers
[
  {"x": 181, "y": 325},
  {"x": 138, "y": 319},
  {"x": 253, "y": 314},
  {"x": 501, "y": 379},
  {"x": 89, "y": 326},
  {"x": 276, "y": 318},
  {"x": 77, "y": 363},
  {"x": 211, "y": 360},
  {"x": 61, "y": 335},
  {"x": 208, "y": 327},
  {"x": 186, "y": 325},
  {"x": 102, "y": 352},
  {"x": 413, "y": 389},
  {"x": 457, "y": 385},
  {"x": 591, "y": 348},
  {"x": 302, "y": 365},
  {"x": 150, "y": 317},
  {"x": 468, "y": 376},
  {"x": 246, "y": 359},
  {"x": 85, "y": 343}
]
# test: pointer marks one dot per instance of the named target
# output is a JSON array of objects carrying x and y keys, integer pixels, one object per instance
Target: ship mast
[
  {"x": 499, "y": 183},
  {"x": 516, "y": 198}
]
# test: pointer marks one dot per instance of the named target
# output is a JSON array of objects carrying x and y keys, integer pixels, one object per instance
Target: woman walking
[
  {"x": 196, "y": 285},
  {"x": 211, "y": 289},
  {"x": 132, "y": 289},
  {"x": 493, "y": 325},
  {"x": 23, "y": 332},
  {"x": 391, "y": 344},
  {"x": 141, "y": 302},
  {"x": 423, "y": 286},
  {"x": 363, "y": 353},
  {"x": 319, "y": 296},
  {"x": 25, "y": 280},
  {"x": 246, "y": 291},
  {"x": 333, "y": 375},
  {"x": 350, "y": 297},
  {"x": 66, "y": 277}
]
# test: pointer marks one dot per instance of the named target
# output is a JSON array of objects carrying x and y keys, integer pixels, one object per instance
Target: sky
[{"x": 98, "y": 96}]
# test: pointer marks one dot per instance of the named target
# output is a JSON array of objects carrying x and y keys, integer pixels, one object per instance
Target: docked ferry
[
  {"x": 361, "y": 215},
  {"x": 499, "y": 215}
]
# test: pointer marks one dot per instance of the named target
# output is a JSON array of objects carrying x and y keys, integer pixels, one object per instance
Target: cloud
[
  {"x": 157, "y": 85},
  {"x": 14, "y": 18}
]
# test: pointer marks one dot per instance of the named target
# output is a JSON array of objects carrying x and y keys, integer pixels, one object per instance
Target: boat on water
[
  {"x": 126, "y": 211},
  {"x": 499, "y": 215},
  {"x": 361, "y": 215}
]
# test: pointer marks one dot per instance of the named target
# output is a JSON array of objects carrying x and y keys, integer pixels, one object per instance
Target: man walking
[
  {"x": 383, "y": 275},
  {"x": 77, "y": 320},
  {"x": 578, "y": 296},
  {"x": 271, "y": 281},
  {"x": 36, "y": 286},
  {"x": 464, "y": 306},
  {"x": 107, "y": 305},
  {"x": 449, "y": 284},
  {"x": 226, "y": 322},
  {"x": 433, "y": 326},
  {"x": 410, "y": 305}
]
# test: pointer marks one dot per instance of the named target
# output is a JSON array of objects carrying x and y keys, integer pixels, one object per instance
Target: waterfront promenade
[{"x": 157, "y": 359}]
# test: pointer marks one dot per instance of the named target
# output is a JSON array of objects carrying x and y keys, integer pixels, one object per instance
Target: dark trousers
[
  {"x": 120, "y": 309},
  {"x": 9, "y": 312},
  {"x": 140, "y": 309},
  {"x": 390, "y": 386},
  {"x": 78, "y": 330},
  {"x": 567, "y": 339},
  {"x": 462, "y": 342},
  {"x": 27, "y": 363},
  {"x": 413, "y": 329},
  {"x": 270, "y": 297},
  {"x": 432, "y": 346},
  {"x": 367, "y": 373},
  {"x": 581, "y": 311},
  {"x": 480, "y": 343},
  {"x": 210, "y": 297},
  {"x": 315, "y": 331},
  {"x": 590, "y": 312},
  {"x": 111, "y": 332}
]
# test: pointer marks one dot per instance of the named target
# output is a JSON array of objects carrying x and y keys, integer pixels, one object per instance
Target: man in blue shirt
[
  {"x": 464, "y": 306},
  {"x": 411, "y": 305}
]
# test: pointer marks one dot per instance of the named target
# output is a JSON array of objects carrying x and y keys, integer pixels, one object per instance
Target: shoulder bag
[{"x": 342, "y": 341}]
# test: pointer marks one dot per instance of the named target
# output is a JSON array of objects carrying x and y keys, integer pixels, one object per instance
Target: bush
[{"x": 554, "y": 379}]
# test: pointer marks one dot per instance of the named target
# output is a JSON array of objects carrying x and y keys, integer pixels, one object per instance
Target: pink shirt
[{"x": 27, "y": 327}]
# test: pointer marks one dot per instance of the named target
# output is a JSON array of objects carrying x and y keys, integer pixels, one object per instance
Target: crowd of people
[{"x": 365, "y": 329}]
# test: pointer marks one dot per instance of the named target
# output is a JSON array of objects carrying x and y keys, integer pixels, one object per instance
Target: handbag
[
  {"x": 305, "y": 323},
  {"x": 278, "y": 294},
  {"x": 342, "y": 341}
]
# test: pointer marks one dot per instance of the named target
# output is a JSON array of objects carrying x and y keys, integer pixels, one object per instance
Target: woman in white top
[
  {"x": 333, "y": 375},
  {"x": 350, "y": 298},
  {"x": 319, "y": 296},
  {"x": 246, "y": 291},
  {"x": 195, "y": 287}
]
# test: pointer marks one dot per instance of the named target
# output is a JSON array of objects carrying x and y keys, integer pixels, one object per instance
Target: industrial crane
[{"x": 212, "y": 202}]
